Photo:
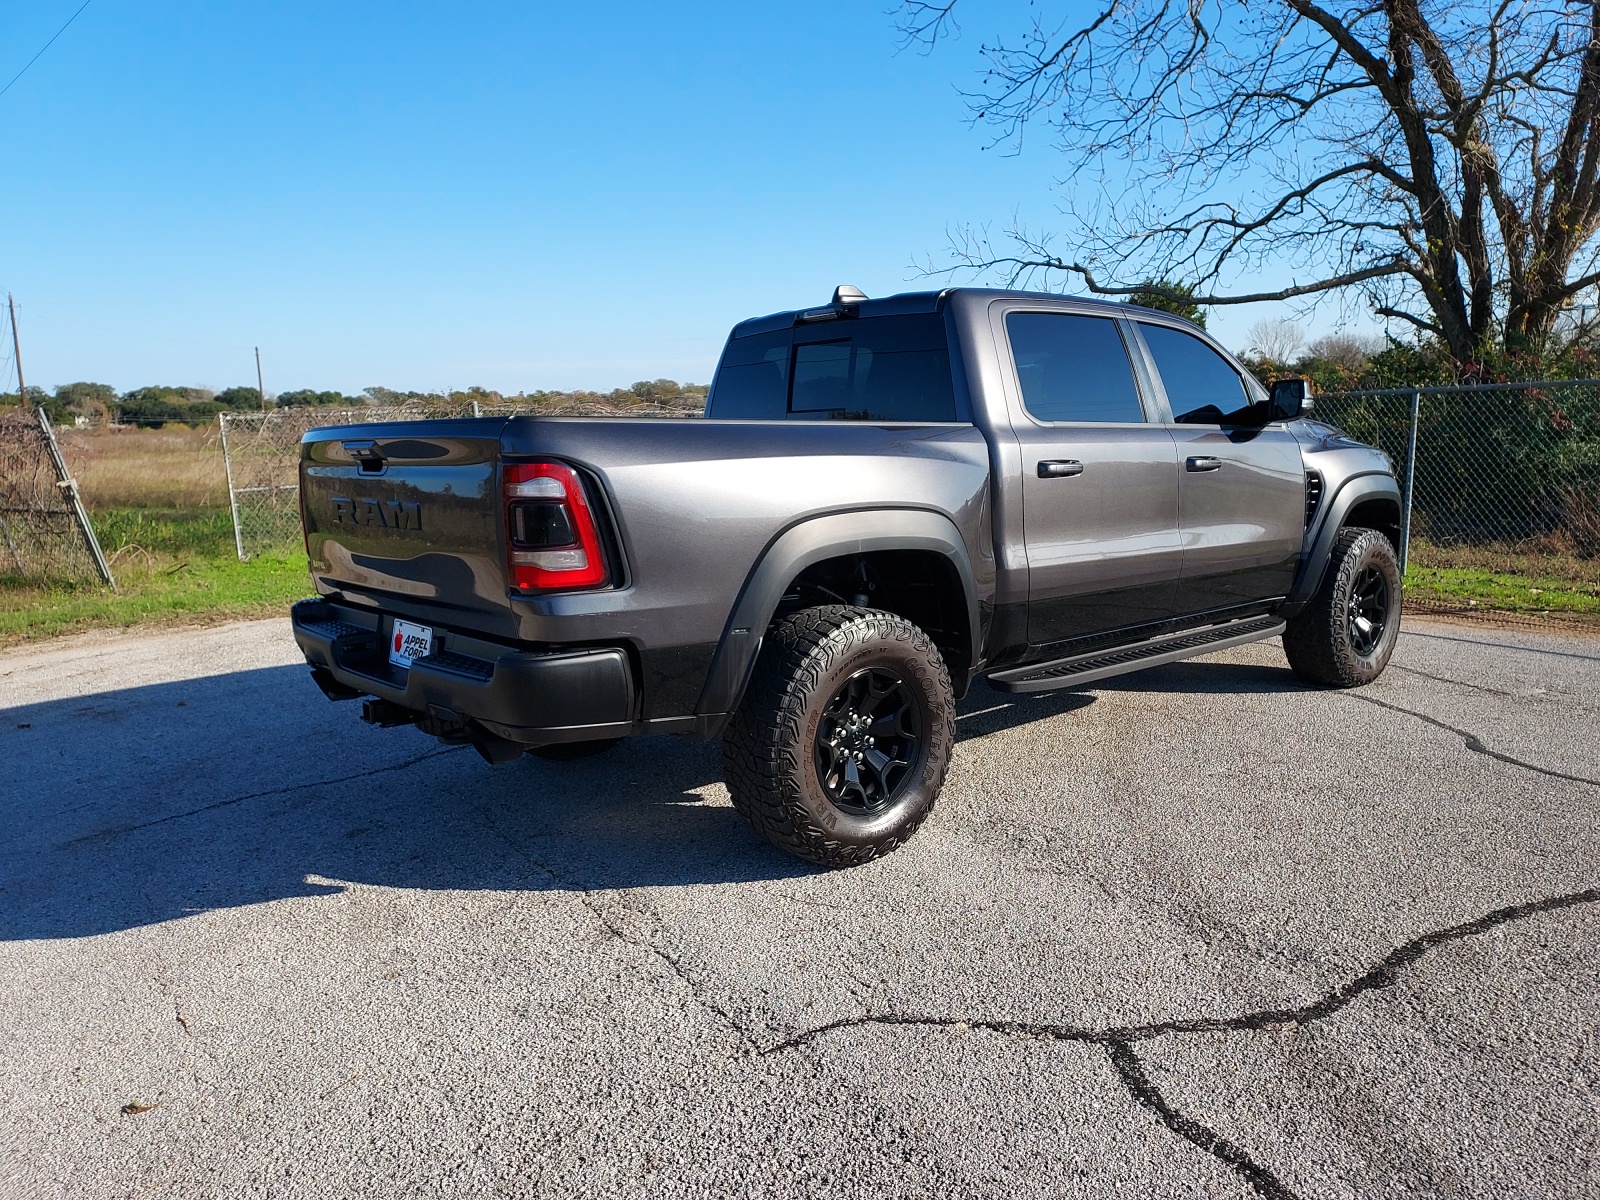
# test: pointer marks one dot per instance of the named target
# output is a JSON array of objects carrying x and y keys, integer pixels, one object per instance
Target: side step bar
[{"x": 1101, "y": 664}]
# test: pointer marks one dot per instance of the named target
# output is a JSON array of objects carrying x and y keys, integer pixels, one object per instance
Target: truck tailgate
[{"x": 409, "y": 511}]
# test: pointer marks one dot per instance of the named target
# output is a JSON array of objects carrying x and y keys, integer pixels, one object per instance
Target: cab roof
[{"x": 846, "y": 302}]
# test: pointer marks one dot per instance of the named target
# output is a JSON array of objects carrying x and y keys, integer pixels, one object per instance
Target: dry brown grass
[
  {"x": 171, "y": 468},
  {"x": 1534, "y": 560}
]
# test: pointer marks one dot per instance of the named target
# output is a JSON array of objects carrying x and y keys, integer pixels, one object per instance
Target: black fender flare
[
  {"x": 1314, "y": 561},
  {"x": 800, "y": 546}
]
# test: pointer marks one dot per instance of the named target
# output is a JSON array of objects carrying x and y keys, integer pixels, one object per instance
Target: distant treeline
[{"x": 100, "y": 403}]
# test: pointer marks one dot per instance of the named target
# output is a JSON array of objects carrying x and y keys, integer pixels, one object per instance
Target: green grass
[
  {"x": 1507, "y": 578},
  {"x": 170, "y": 565},
  {"x": 1483, "y": 588},
  {"x": 179, "y": 564},
  {"x": 124, "y": 532}
]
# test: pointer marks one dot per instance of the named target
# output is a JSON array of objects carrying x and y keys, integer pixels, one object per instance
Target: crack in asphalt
[
  {"x": 587, "y": 897},
  {"x": 1119, "y": 1041},
  {"x": 107, "y": 834},
  {"x": 586, "y": 894},
  {"x": 1131, "y": 1070},
  {"x": 1472, "y": 742},
  {"x": 1477, "y": 687},
  {"x": 1484, "y": 642}
]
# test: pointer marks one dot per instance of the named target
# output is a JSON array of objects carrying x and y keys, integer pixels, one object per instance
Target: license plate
[{"x": 408, "y": 643}]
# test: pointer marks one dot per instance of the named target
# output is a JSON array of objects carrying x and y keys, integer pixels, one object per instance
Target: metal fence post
[
  {"x": 233, "y": 495},
  {"x": 1411, "y": 479},
  {"x": 11, "y": 544},
  {"x": 69, "y": 485}
]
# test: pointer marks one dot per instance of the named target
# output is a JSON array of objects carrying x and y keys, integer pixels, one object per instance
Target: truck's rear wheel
[
  {"x": 1345, "y": 636},
  {"x": 840, "y": 746}
]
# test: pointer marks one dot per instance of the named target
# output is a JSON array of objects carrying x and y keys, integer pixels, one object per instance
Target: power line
[{"x": 45, "y": 47}]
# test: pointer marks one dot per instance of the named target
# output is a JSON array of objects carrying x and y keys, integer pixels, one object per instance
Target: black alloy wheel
[
  {"x": 867, "y": 741},
  {"x": 1368, "y": 610},
  {"x": 1345, "y": 635},
  {"x": 840, "y": 743}
]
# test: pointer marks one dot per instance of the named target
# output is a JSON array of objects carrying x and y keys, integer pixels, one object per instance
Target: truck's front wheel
[
  {"x": 840, "y": 746},
  {"x": 1345, "y": 636}
]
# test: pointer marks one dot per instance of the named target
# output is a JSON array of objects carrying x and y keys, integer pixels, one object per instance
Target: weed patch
[{"x": 170, "y": 564}]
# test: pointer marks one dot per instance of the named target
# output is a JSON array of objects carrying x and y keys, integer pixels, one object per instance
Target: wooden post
[{"x": 16, "y": 347}]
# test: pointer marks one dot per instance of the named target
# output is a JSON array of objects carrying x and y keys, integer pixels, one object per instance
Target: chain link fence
[
  {"x": 1501, "y": 485},
  {"x": 261, "y": 452},
  {"x": 45, "y": 534},
  {"x": 1501, "y": 482}
]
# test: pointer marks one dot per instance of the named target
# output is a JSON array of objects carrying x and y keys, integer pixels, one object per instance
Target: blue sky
[{"x": 435, "y": 195}]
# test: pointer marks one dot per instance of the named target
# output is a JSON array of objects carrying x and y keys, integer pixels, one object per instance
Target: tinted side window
[
  {"x": 870, "y": 369},
  {"x": 873, "y": 369},
  {"x": 1202, "y": 388},
  {"x": 752, "y": 380},
  {"x": 1073, "y": 368}
]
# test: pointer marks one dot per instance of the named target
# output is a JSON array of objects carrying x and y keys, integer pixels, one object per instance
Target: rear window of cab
[{"x": 883, "y": 369}]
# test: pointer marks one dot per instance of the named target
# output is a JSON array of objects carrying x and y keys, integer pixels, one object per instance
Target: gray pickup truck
[{"x": 889, "y": 499}]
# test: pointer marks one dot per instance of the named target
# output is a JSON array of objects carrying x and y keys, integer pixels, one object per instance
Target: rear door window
[
  {"x": 882, "y": 369},
  {"x": 1073, "y": 368}
]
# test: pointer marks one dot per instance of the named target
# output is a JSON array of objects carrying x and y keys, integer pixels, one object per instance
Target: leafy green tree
[
  {"x": 239, "y": 399},
  {"x": 475, "y": 395},
  {"x": 37, "y": 398},
  {"x": 84, "y": 397},
  {"x": 311, "y": 398},
  {"x": 388, "y": 396},
  {"x": 158, "y": 405},
  {"x": 1163, "y": 296}
]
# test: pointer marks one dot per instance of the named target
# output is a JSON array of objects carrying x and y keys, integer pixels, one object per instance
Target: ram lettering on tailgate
[{"x": 385, "y": 514}]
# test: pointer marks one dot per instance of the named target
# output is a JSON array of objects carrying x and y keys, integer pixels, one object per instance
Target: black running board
[{"x": 1102, "y": 664}]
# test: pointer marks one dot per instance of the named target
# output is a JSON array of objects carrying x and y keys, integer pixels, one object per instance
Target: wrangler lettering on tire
[{"x": 842, "y": 742}]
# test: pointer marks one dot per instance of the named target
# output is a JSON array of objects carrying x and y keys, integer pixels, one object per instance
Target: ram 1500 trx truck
[{"x": 888, "y": 500}]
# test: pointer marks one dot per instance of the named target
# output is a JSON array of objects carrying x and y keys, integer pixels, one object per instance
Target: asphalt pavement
[{"x": 1199, "y": 931}]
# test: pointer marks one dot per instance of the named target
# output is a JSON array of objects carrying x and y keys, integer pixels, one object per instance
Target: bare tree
[
  {"x": 1277, "y": 340},
  {"x": 1347, "y": 351},
  {"x": 1440, "y": 158}
]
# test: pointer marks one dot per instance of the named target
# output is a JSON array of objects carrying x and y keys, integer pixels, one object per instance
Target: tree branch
[
  {"x": 1021, "y": 267},
  {"x": 1450, "y": 151}
]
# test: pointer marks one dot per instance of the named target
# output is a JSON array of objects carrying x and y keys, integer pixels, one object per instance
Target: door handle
[
  {"x": 1203, "y": 462},
  {"x": 1058, "y": 468}
]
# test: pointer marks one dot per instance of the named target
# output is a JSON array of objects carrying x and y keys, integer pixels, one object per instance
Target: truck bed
[{"x": 688, "y": 508}]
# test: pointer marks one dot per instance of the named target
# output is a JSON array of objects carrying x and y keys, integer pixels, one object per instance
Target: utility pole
[
  {"x": 16, "y": 348},
  {"x": 261, "y": 388}
]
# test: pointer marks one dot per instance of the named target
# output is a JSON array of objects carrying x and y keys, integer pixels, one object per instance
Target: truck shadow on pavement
[{"x": 128, "y": 808}]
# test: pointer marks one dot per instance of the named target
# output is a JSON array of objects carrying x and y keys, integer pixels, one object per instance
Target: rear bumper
[{"x": 535, "y": 697}]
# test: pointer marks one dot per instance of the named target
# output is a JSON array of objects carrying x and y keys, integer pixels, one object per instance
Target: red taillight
[{"x": 552, "y": 541}]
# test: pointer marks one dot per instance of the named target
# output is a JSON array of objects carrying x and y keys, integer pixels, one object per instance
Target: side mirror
[{"x": 1291, "y": 398}]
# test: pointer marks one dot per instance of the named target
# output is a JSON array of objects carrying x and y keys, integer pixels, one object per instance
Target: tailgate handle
[{"x": 367, "y": 455}]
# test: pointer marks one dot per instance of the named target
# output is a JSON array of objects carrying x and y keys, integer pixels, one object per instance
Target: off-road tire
[
  {"x": 1321, "y": 642},
  {"x": 573, "y": 751},
  {"x": 769, "y": 747}
]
